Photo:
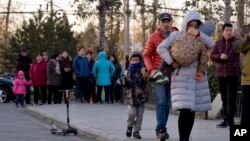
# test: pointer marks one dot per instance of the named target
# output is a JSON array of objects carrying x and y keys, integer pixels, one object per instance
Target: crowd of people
[
  {"x": 176, "y": 83},
  {"x": 49, "y": 76}
]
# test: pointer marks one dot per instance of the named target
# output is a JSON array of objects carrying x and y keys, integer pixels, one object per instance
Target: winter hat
[
  {"x": 45, "y": 53},
  {"x": 207, "y": 27},
  {"x": 89, "y": 52},
  {"x": 135, "y": 54},
  {"x": 20, "y": 73}
]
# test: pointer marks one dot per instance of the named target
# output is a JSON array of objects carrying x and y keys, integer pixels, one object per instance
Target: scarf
[
  {"x": 134, "y": 67},
  {"x": 57, "y": 69}
]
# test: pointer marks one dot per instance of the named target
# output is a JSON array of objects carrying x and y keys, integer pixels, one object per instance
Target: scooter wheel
[
  {"x": 75, "y": 132},
  {"x": 64, "y": 132},
  {"x": 53, "y": 131}
]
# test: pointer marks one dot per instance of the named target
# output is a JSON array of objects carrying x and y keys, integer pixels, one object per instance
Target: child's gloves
[
  {"x": 143, "y": 72},
  {"x": 199, "y": 76}
]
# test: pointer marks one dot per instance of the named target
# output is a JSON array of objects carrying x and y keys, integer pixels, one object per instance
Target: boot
[
  {"x": 137, "y": 135},
  {"x": 129, "y": 131}
]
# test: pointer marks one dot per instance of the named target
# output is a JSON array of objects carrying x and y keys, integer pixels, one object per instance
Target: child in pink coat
[{"x": 19, "y": 88}]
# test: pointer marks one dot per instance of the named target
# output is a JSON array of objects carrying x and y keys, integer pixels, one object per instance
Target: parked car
[
  {"x": 6, "y": 93},
  {"x": 7, "y": 75}
]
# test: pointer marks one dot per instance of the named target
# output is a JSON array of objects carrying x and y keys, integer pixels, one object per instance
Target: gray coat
[
  {"x": 52, "y": 77},
  {"x": 186, "y": 91}
]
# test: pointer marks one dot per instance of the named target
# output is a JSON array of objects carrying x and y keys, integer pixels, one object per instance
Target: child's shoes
[
  {"x": 162, "y": 80},
  {"x": 157, "y": 75},
  {"x": 129, "y": 131},
  {"x": 137, "y": 135}
]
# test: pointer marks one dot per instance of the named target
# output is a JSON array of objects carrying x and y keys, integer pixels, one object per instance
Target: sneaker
[
  {"x": 222, "y": 125},
  {"x": 158, "y": 75},
  {"x": 162, "y": 80},
  {"x": 137, "y": 135},
  {"x": 129, "y": 131},
  {"x": 164, "y": 136}
]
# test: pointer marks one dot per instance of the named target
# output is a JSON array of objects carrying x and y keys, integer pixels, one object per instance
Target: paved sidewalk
[{"x": 107, "y": 122}]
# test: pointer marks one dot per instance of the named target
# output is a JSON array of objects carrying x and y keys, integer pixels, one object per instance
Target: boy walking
[{"x": 135, "y": 94}]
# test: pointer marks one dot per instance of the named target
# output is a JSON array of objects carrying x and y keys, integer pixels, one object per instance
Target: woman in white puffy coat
[{"x": 187, "y": 94}]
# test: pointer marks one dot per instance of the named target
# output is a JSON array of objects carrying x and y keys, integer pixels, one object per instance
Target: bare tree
[
  {"x": 6, "y": 34},
  {"x": 154, "y": 12},
  {"x": 227, "y": 11},
  {"x": 126, "y": 27},
  {"x": 240, "y": 14},
  {"x": 142, "y": 11}
]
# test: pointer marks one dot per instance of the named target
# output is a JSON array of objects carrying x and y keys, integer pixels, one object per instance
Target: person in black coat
[
  {"x": 24, "y": 63},
  {"x": 115, "y": 94},
  {"x": 65, "y": 62}
]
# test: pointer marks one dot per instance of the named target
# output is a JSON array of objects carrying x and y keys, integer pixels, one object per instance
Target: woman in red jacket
[{"x": 39, "y": 78}]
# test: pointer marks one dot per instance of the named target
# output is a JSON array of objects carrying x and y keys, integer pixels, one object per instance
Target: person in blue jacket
[
  {"x": 103, "y": 69},
  {"x": 81, "y": 69}
]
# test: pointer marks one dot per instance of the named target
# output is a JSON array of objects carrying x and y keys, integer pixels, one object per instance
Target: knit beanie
[
  {"x": 207, "y": 27},
  {"x": 89, "y": 52}
]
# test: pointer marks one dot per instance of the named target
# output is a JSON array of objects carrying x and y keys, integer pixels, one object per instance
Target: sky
[{"x": 33, "y": 5}]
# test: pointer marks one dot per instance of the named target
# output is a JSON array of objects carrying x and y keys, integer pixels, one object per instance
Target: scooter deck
[{"x": 64, "y": 132}]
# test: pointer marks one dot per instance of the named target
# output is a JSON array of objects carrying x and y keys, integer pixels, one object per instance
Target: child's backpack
[{"x": 186, "y": 49}]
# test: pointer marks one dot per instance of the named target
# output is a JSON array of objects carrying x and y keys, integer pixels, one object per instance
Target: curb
[{"x": 82, "y": 130}]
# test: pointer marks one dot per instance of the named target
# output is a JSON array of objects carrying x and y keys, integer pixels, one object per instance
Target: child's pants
[
  {"x": 135, "y": 116},
  {"x": 20, "y": 99}
]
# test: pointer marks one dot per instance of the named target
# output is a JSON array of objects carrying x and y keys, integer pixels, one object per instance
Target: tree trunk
[
  {"x": 143, "y": 23},
  {"x": 240, "y": 14},
  {"x": 126, "y": 27},
  {"x": 6, "y": 34},
  {"x": 102, "y": 13},
  {"x": 111, "y": 40},
  {"x": 227, "y": 11},
  {"x": 154, "y": 12}
]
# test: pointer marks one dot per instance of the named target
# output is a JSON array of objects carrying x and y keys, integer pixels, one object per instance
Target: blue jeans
[{"x": 163, "y": 103}]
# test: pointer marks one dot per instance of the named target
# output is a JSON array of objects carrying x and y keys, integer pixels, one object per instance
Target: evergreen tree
[{"x": 38, "y": 34}]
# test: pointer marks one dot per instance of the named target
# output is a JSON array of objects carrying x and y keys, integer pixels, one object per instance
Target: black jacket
[{"x": 23, "y": 63}]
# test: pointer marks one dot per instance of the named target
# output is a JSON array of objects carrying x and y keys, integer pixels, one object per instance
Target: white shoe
[
  {"x": 162, "y": 80},
  {"x": 158, "y": 75}
]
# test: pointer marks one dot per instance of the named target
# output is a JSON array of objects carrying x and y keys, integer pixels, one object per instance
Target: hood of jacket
[
  {"x": 102, "y": 56},
  {"x": 20, "y": 73},
  {"x": 191, "y": 15}
]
